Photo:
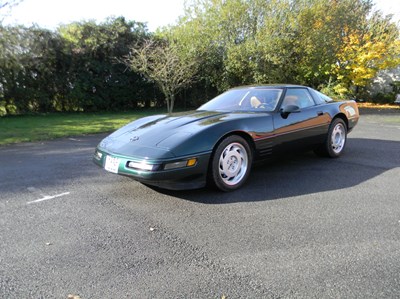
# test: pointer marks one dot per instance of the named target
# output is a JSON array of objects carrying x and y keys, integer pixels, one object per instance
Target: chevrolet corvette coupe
[{"x": 218, "y": 143}]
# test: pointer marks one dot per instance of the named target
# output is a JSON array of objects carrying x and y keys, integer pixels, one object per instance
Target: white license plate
[{"x": 112, "y": 164}]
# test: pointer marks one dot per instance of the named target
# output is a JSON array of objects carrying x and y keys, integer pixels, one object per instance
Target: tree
[
  {"x": 364, "y": 52},
  {"x": 207, "y": 32},
  {"x": 159, "y": 61},
  {"x": 312, "y": 42},
  {"x": 76, "y": 68},
  {"x": 26, "y": 68},
  {"x": 97, "y": 79}
]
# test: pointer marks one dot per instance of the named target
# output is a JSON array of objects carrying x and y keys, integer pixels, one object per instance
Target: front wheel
[
  {"x": 335, "y": 141},
  {"x": 231, "y": 163}
]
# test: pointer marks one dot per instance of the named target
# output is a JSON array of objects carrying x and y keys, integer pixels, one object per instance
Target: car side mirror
[{"x": 289, "y": 109}]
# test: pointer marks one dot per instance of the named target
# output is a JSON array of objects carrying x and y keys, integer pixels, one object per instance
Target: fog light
[
  {"x": 141, "y": 165},
  {"x": 175, "y": 165}
]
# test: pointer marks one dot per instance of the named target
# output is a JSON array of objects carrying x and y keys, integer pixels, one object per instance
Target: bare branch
[
  {"x": 160, "y": 62},
  {"x": 5, "y": 7}
]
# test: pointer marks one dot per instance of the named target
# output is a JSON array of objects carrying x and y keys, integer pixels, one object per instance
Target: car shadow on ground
[
  {"x": 56, "y": 164},
  {"x": 305, "y": 173}
]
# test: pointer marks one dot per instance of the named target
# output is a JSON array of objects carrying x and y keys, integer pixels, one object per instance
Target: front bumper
[{"x": 153, "y": 172}]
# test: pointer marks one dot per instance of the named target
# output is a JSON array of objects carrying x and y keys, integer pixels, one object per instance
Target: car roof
[{"x": 269, "y": 86}]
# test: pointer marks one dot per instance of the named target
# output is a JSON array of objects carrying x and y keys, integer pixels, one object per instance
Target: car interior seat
[{"x": 255, "y": 102}]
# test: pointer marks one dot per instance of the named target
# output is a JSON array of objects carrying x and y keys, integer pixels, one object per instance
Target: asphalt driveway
[{"x": 301, "y": 227}]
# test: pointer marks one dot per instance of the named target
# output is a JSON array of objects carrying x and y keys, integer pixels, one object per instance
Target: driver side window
[{"x": 299, "y": 97}]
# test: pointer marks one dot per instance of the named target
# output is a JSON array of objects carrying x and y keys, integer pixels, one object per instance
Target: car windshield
[{"x": 247, "y": 99}]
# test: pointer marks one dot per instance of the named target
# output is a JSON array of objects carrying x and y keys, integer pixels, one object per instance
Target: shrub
[
  {"x": 3, "y": 110},
  {"x": 384, "y": 98}
]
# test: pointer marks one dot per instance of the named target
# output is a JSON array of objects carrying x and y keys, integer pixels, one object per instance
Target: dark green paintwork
[{"x": 162, "y": 139}]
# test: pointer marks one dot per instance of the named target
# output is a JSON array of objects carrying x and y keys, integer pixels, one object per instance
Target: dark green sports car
[{"x": 218, "y": 142}]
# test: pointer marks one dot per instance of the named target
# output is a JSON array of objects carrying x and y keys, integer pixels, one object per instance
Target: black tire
[
  {"x": 335, "y": 141},
  {"x": 230, "y": 163}
]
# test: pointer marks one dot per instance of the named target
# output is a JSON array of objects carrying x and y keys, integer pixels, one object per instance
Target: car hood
[{"x": 156, "y": 136}]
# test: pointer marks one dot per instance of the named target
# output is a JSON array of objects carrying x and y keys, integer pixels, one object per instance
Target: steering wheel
[{"x": 268, "y": 105}]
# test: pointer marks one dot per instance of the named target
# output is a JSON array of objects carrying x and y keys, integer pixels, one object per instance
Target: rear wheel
[
  {"x": 335, "y": 141},
  {"x": 231, "y": 163}
]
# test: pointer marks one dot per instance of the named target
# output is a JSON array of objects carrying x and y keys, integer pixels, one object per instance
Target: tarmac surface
[{"x": 302, "y": 227}]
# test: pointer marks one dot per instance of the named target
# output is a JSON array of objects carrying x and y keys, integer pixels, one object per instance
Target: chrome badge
[
  {"x": 134, "y": 138},
  {"x": 106, "y": 141}
]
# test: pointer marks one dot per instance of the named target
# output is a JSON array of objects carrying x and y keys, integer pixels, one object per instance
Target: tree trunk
[
  {"x": 171, "y": 106},
  {"x": 167, "y": 100}
]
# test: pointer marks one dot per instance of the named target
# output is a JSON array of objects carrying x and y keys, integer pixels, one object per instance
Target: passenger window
[{"x": 299, "y": 97}]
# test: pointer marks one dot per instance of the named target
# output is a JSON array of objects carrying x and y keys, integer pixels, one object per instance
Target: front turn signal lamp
[
  {"x": 191, "y": 162},
  {"x": 181, "y": 164}
]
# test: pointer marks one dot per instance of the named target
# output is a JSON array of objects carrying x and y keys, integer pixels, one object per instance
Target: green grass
[{"x": 14, "y": 129}]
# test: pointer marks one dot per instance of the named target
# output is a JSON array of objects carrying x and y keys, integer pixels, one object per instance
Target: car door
[{"x": 305, "y": 127}]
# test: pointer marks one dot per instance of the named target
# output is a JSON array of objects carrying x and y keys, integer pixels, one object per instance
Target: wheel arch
[
  {"x": 343, "y": 117},
  {"x": 242, "y": 134}
]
